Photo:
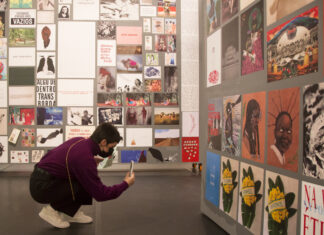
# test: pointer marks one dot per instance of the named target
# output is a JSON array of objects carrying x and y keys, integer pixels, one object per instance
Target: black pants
[{"x": 48, "y": 189}]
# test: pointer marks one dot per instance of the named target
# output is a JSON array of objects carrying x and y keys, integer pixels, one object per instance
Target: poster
[
  {"x": 281, "y": 198},
  {"x": 138, "y": 99},
  {"x": 153, "y": 85},
  {"x": 77, "y": 116},
  {"x": 21, "y": 116},
  {"x": 311, "y": 209},
  {"x": 253, "y": 129},
  {"x": 85, "y": 10},
  {"x": 252, "y": 40},
  {"x": 283, "y": 128},
  {"x": 152, "y": 71},
  {"x": 166, "y": 116},
  {"x": 157, "y": 25},
  {"x": 44, "y": 4},
  {"x": 215, "y": 125},
  {"x": 170, "y": 79},
  {"x": 73, "y": 92},
  {"x": 45, "y": 92},
  {"x": 152, "y": 58},
  {"x": 214, "y": 73},
  {"x": 3, "y": 69},
  {"x": 250, "y": 197},
  {"x": 37, "y": 155},
  {"x": 3, "y": 149},
  {"x": 50, "y": 116},
  {"x": 230, "y": 51},
  {"x": 19, "y": 156},
  {"x": 106, "y": 79},
  {"x": 228, "y": 199},
  {"x": 21, "y": 4},
  {"x": 21, "y": 76},
  {"x": 129, "y": 82},
  {"x": 110, "y": 99},
  {"x": 161, "y": 43},
  {"x": 106, "y": 53},
  {"x": 45, "y": 17},
  {"x": 138, "y": 156},
  {"x": 119, "y": 10},
  {"x": 147, "y": 25},
  {"x": 3, "y": 5},
  {"x": 166, "y": 99},
  {"x": 46, "y": 65},
  {"x": 245, "y": 3},
  {"x": 3, "y": 48},
  {"x": 129, "y": 63},
  {"x": 190, "y": 124},
  {"x": 166, "y": 137},
  {"x": 3, "y": 32},
  {"x": 138, "y": 115},
  {"x": 20, "y": 57},
  {"x": 130, "y": 35},
  {"x": 72, "y": 36},
  {"x": 78, "y": 131},
  {"x": 3, "y": 94},
  {"x": 170, "y": 59},
  {"x": 21, "y": 95},
  {"x": 167, "y": 8},
  {"x": 3, "y": 121},
  {"x": 231, "y": 133},
  {"x": 293, "y": 47},
  {"x": 170, "y": 26},
  {"x": 46, "y": 37},
  {"x": 22, "y": 37},
  {"x": 113, "y": 116},
  {"x": 148, "y": 11},
  {"x": 148, "y": 43},
  {"x": 106, "y": 30},
  {"x": 49, "y": 137},
  {"x": 212, "y": 178},
  {"x": 213, "y": 15},
  {"x": 28, "y": 137},
  {"x": 20, "y": 18},
  {"x": 279, "y": 9},
  {"x": 229, "y": 9},
  {"x": 64, "y": 12},
  {"x": 139, "y": 137},
  {"x": 313, "y": 158},
  {"x": 190, "y": 149}
]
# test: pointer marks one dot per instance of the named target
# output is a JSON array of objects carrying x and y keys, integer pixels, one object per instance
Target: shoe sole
[
  {"x": 48, "y": 221},
  {"x": 80, "y": 222}
]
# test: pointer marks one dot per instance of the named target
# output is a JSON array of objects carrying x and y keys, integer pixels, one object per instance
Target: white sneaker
[
  {"x": 53, "y": 217},
  {"x": 79, "y": 217}
]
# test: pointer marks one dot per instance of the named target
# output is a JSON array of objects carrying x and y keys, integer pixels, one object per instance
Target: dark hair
[
  {"x": 252, "y": 105},
  {"x": 282, "y": 113},
  {"x": 106, "y": 131}
]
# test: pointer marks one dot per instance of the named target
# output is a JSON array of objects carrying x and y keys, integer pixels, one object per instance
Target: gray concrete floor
[{"x": 159, "y": 203}]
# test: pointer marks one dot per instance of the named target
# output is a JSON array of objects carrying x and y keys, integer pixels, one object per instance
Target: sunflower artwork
[{"x": 228, "y": 185}]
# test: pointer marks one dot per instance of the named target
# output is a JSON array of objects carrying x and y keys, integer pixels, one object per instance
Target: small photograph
[
  {"x": 37, "y": 155},
  {"x": 148, "y": 43},
  {"x": 21, "y": 116},
  {"x": 3, "y": 5},
  {"x": 50, "y": 116},
  {"x": 106, "y": 79},
  {"x": 147, "y": 25},
  {"x": 146, "y": 2},
  {"x": 129, "y": 63},
  {"x": 152, "y": 71},
  {"x": 170, "y": 79},
  {"x": 49, "y": 137},
  {"x": 19, "y": 156},
  {"x": 44, "y": 4},
  {"x": 119, "y": 10},
  {"x": 213, "y": 13},
  {"x": 229, "y": 9},
  {"x": 166, "y": 99},
  {"x": 3, "y": 48},
  {"x": 170, "y": 59},
  {"x": 153, "y": 85},
  {"x": 110, "y": 115},
  {"x": 139, "y": 116},
  {"x": 171, "y": 40},
  {"x": 139, "y": 137},
  {"x": 166, "y": 116},
  {"x": 22, "y": 37},
  {"x": 129, "y": 83},
  {"x": 3, "y": 149},
  {"x": 63, "y": 12},
  {"x": 21, "y": 4},
  {"x": 160, "y": 43},
  {"x": 2, "y": 24},
  {"x": 138, "y": 99},
  {"x": 152, "y": 59},
  {"x": 157, "y": 25},
  {"x": 46, "y": 35},
  {"x": 109, "y": 99},
  {"x": 137, "y": 156},
  {"x": 167, "y": 9},
  {"x": 166, "y": 137},
  {"x": 46, "y": 65},
  {"x": 80, "y": 116},
  {"x": 3, "y": 122},
  {"x": 106, "y": 30},
  {"x": 170, "y": 26},
  {"x": 28, "y": 137},
  {"x": 3, "y": 69},
  {"x": 129, "y": 50},
  {"x": 215, "y": 125}
]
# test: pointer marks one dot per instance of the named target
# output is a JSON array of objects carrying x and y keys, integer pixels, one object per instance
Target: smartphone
[{"x": 131, "y": 168}]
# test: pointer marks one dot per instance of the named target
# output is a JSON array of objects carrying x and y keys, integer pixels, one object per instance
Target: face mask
[{"x": 104, "y": 154}]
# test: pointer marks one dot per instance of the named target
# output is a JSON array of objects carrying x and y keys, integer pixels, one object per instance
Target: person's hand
[
  {"x": 130, "y": 179},
  {"x": 98, "y": 159}
]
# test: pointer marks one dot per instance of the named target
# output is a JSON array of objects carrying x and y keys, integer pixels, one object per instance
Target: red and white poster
[
  {"x": 312, "y": 213},
  {"x": 129, "y": 35},
  {"x": 106, "y": 53},
  {"x": 190, "y": 149}
]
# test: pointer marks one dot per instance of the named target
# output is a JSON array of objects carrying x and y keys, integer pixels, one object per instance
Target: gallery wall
[
  {"x": 68, "y": 66},
  {"x": 261, "y": 115}
]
